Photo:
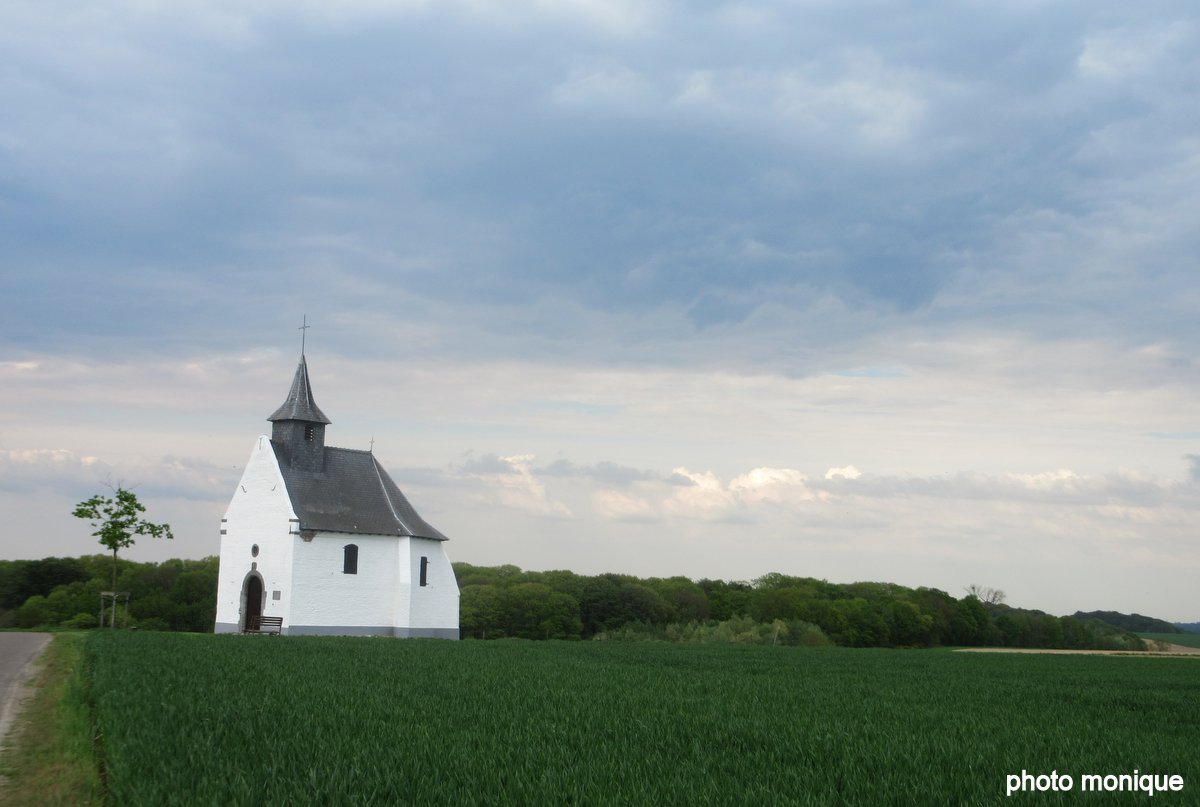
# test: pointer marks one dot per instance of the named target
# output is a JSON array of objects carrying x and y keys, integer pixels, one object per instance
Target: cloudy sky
[{"x": 861, "y": 291}]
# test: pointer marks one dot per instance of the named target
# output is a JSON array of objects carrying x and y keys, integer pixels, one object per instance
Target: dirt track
[
  {"x": 1160, "y": 649},
  {"x": 17, "y": 654}
]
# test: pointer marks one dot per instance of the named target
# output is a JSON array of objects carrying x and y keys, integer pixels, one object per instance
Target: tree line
[
  {"x": 1135, "y": 623},
  {"x": 505, "y": 601},
  {"x": 177, "y": 595}
]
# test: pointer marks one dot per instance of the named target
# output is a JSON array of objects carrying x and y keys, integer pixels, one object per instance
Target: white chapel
[{"x": 323, "y": 540}]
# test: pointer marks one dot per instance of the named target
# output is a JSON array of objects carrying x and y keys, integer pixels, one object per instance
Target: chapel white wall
[
  {"x": 260, "y": 513},
  {"x": 433, "y": 606},
  {"x": 327, "y": 596}
]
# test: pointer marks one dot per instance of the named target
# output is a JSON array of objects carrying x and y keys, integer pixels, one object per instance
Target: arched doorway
[{"x": 252, "y": 602}]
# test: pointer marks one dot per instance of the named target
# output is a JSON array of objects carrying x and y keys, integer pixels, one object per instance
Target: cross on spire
[{"x": 303, "y": 333}]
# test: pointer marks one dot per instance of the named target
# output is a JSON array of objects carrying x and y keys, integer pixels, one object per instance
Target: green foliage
[
  {"x": 501, "y": 602},
  {"x": 480, "y": 614},
  {"x": 1014, "y": 627},
  {"x": 80, "y": 621},
  {"x": 322, "y": 720},
  {"x": 523, "y": 610},
  {"x": 907, "y": 626},
  {"x": 738, "y": 630},
  {"x": 33, "y": 613},
  {"x": 726, "y": 599},
  {"x": 685, "y": 599},
  {"x": 116, "y": 520},
  {"x": 780, "y": 603},
  {"x": 174, "y": 595},
  {"x": 969, "y": 623},
  {"x": 21, "y": 579},
  {"x": 1134, "y": 623},
  {"x": 612, "y": 600}
]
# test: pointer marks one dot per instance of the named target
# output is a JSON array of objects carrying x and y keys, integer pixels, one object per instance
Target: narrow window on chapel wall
[
  {"x": 350, "y": 559},
  {"x": 424, "y": 566}
]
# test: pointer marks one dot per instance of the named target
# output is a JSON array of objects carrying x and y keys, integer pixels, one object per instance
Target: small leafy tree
[{"x": 117, "y": 520}]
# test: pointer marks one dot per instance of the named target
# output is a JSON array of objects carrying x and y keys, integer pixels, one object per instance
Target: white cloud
[
  {"x": 626, "y": 17},
  {"x": 35, "y": 468},
  {"x": 622, "y": 506},
  {"x": 510, "y": 482},
  {"x": 777, "y": 485},
  {"x": 1061, "y": 480},
  {"x": 7, "y": 367},
  {"x": 846, "y": 472},
  {"x": 1118, "y": 53},
  {"x": 867, "y": 100},
  {"x": 704, "y": 497},
  {"x": 604, "y": 87},
  {"x": 81, "y": 476}
]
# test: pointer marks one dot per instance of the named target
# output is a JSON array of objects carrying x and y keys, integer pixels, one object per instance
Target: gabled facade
[{"x": 323, "y": 538}]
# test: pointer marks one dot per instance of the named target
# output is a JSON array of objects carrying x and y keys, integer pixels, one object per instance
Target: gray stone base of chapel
[{"x": 355, "y": 630}]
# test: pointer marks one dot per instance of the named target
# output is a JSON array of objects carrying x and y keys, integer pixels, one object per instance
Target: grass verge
[{"x": 52, "y": 758}]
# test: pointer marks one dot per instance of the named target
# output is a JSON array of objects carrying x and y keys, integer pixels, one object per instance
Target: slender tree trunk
[{"x": 113, "y": 624}]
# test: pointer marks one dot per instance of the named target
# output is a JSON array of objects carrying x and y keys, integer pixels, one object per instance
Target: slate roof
[
  {"x": 352, "y": 494},
  {"x": 300, "y": 404}
]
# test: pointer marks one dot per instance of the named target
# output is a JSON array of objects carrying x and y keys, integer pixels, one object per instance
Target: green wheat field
[{"x": 186, "y": 719}]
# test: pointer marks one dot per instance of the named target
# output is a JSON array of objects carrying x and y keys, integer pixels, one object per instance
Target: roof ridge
[{"x": 387, "y": 496}]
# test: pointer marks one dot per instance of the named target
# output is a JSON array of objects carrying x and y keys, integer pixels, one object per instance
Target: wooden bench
[{"x": 264, "y": 624}]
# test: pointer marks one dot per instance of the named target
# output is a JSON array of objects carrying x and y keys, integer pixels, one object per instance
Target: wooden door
[{"x": 253, "y": 596}]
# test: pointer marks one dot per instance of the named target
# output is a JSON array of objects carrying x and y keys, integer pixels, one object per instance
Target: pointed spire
[{"x": 300, "y": 404}]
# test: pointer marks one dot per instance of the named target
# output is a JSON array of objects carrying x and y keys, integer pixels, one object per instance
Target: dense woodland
[
  {"x": 1135, "y": 623},
  {"x": 773, "y": 609},
  {"x": 178, "y": 595},
  {"x": 504, "y": 601}
]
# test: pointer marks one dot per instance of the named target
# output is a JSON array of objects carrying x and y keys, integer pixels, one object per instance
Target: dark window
[
  {"x": 424, "y": 566},
  {"x": 308, "y": 433},
  {"x": 350, "y": 559}
]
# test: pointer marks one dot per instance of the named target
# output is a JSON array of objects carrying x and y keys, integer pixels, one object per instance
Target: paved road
[{"x": 17, "y": 653}]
